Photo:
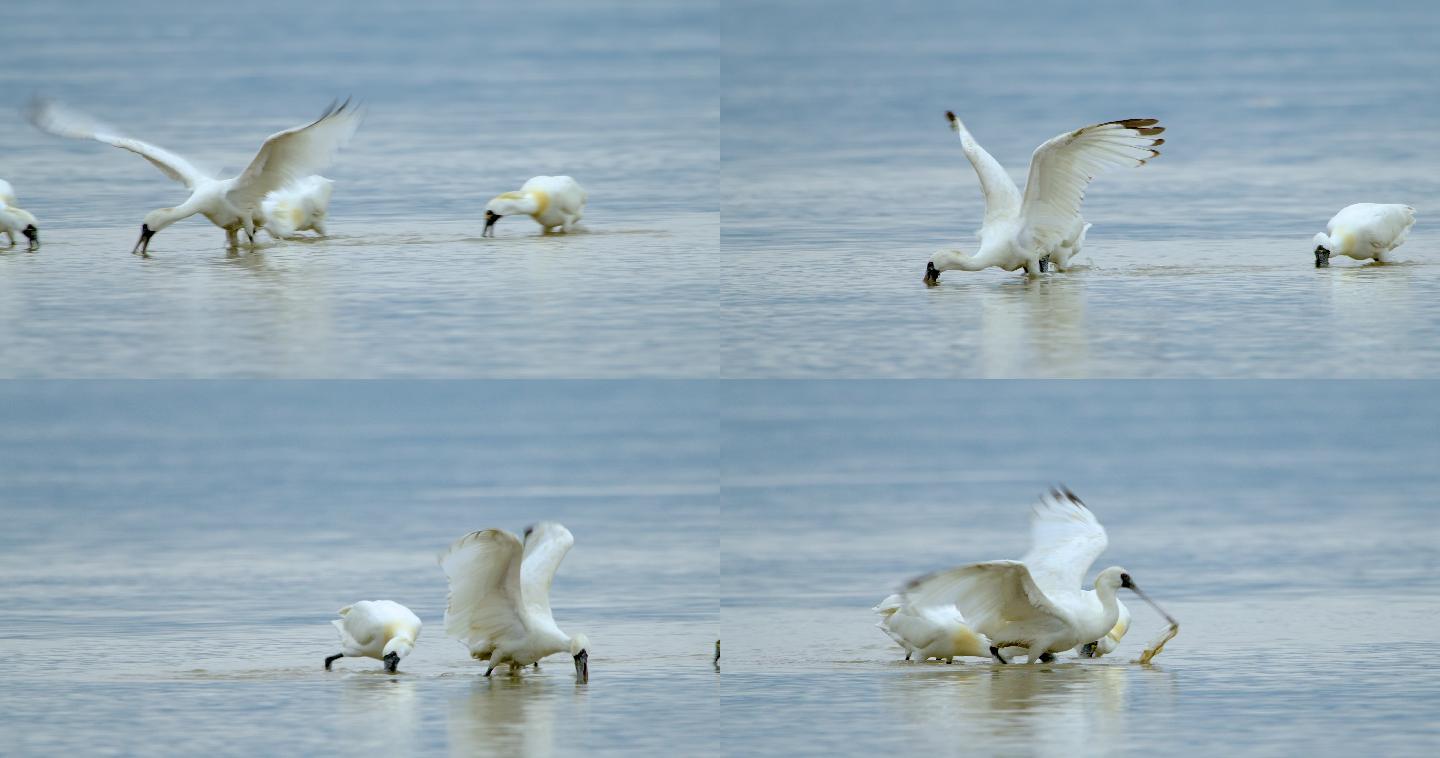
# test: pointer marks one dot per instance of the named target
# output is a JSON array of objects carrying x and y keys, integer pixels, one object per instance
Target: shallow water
[
  {"x": 464, "y": 103},
  {"x": 1289, "y": 527},
  {"x": 174, "y": 553},
  {"x": 840, "y": 179}
]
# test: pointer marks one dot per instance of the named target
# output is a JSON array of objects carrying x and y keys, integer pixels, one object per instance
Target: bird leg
[
  {"x": 332, "y": 659},
  {"x": 908, "y": 653},
  {"x": 995, "y": 653},
  {"x": 492, "y": 668},
  {"x": 232, "y": 238},
  {"x": 1047, "y": 658},
  {"x": 1044, "y": 264},
  {"x": 537, "y": 665}
]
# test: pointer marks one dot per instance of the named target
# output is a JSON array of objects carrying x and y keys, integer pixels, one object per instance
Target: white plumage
[
  {"x": 299, "y": 207},
  {"x": 232, "y": 204},
  {"x": 381, "y": 629},
  {"x": 16, "y": 219},
  {"x": 499, "y": 604},
  {"x": 1044, "y": 224},
  {"x": 1364, "y": 231},
  {"x": 553, "y": 201},
  {"x": 925, "y": 632},
  {"x": 1037, "y": 603}
]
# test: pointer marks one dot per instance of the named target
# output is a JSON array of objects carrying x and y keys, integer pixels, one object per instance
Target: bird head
[
  {"x": 1322, "y": 251},
  {"x": 395, "y": 649},
  {"x": 33, "y": 234},
  {"x": 579, "y": 650},
  {"x": 945, "y": 260},
  {"x": 506, "y": 204}
]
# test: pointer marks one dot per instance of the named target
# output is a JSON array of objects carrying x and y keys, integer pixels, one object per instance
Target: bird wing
[
  {"x": 61, "y": 121},
  {"x": 546, "y": 545},
  {"x": 1388, "y": 225},
  {"x": 989, "y": 595},
  {"x": 1002, "y": 197},
  {"x": 1065, "y": 540},
  {"x": 484, "y": 573},
  {"x": 1062, "y": 168},
  {"x": 295, "y": 153}
]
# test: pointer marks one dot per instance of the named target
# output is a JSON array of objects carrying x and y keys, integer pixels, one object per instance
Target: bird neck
[
  {"x": 954, "y": 260},
  {"x": 1109, "y": 610}
]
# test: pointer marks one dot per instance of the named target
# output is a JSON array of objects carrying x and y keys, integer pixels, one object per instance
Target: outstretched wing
[
  {"x": 546, "y": 545},
  {"x": 990, "y": 595},
  {"x": 61, "y": 121},
  {"x": 1063, "y": 167},
  {"x": 484, "y": 573},
  {"x": 1065, "y": 540},
  {"x": 1002, "y": 197},
  {"x": 295, "y": 153}
]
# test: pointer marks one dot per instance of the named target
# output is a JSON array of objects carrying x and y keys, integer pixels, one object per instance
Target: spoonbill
[
  {"x": 499, "y": 604},
  {"x": 553, "y": 201},
  {"x": 15, "y": 219},
  {"x": 940, "y": 631},
  {"x": 1044, "y": 224},
  {"x": 232, "y": 204},
  {"x": 1036, "y": 603},
  {"x": 1363, "y": 231},
  {"x": 298, "y": 207},
  {"x": 380, "y": 629}
]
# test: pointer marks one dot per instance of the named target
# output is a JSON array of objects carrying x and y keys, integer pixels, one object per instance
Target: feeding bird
[
  {"x": 553, "y": 201},
  {"x": 15, "y": 219},
  {"x": 1364, "y": 231},
  {"x": 941, "y": 631},
  {"x": 233, "y": 204},
  {"x": 499, "y": 604},
  {"x": 1043, "y": 225},
  {"x": 298, "y": 207},
  {"x": 1037, "y": 603},
  {"x": 380, "y": 629}
]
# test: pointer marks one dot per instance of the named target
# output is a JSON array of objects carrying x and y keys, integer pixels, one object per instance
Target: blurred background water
[
  {"x": 840, "y": 179},
  {"x": 465, "y": 101},
  {"x": 173, "y": 554},
  {"x": 1290, "y": 527}
]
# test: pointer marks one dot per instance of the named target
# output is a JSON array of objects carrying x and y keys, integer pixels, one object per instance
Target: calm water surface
[
  {"x": 840, "y": 179},
  {"x": 174, "y": 553},
  {"x": 1289, "y": 527},
  {"x": 464, "y": 103}
]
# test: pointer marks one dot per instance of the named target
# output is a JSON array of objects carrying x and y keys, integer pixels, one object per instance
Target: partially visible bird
[
  {"x": 380, "y": 629},
  {"x": 298, "y": 207},
  {"x": 15, "y": 219},
  {"x": 553, "y": 201},
  {"x": 1364, "y": 231},
  {"x": 1044, "y": 224},
  {"x": 499, "y": 604},
  {"x": 232, "y": 204},
  {"x": 925, "y": 632},
  {"x": 1107, "y": 644}
]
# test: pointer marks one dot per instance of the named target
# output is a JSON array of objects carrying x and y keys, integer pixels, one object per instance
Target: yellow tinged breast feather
[{"x": 542, "y": 201}]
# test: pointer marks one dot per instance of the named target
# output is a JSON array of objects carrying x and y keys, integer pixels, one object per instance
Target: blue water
[
  {"x": 840, "y": 179},
  {"x": 1288, "y": 527},
  {"x": 174, "y": 553},
  {"x": 465, "y": 101}
]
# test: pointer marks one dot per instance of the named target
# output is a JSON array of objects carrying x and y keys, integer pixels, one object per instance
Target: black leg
[
  {"x": 537, "y": 665},
  {"x": 492, "y": 668},
  {"x": 995, "y": 652},
  {"x": 332, "y": 659},
  {"x": 907, "y": 654},
  {"x": 1047, "y": 658},
  {"x": 1044, "y": 264}
]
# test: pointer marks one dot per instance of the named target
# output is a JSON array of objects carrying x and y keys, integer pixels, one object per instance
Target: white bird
[
  {"x": 940, "y": 631},
  {"x": 935, "y": 631},
  {"x": 499, "y": 603},
  {"x": 380, "y": 629},
  {"x": 1037, "y": 603},
  {"x": 232, "y": 204},
  {"x": 15, "y": 219},
  {"x": 551, "y": 200},
  {"x": 1363, "y": 231},
  {"x": 1024, "y": 231},
  {"x": 298, "y": 207}
]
